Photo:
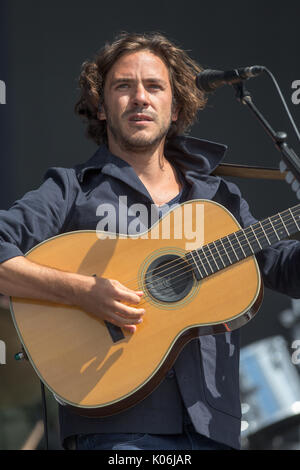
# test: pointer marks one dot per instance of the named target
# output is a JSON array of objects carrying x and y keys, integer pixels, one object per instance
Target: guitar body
[{"x": 74, "y": 353}]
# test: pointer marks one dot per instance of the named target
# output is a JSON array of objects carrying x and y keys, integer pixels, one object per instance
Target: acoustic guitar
[{"x": 96, "y": 368}]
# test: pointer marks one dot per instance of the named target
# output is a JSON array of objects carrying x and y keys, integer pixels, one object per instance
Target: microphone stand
[{"x": 290, "y": 160}]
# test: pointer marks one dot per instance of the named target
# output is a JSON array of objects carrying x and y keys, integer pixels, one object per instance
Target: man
[{"x": 137, "y": 96}]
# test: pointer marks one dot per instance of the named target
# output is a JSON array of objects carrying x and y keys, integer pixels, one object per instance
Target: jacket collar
[
  {"x": 194, "y": 157},
  {"x": 197, "y": 155}
]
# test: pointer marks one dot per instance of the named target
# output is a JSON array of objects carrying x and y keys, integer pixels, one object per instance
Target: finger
[
  {"x": 129, "y": 312},
  {"x": 133, "y": 291},
  {"x": 123, "y": 322},
  {"x": 130, "y": 328},
  {"x": 127, "y": 296},
  {"x": 138, "y": 292}
]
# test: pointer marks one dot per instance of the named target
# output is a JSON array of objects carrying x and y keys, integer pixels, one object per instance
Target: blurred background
[{"x": 42, "y": 46}]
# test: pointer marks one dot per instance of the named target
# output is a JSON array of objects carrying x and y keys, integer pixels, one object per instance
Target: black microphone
[{"x": 210, "y": 80}]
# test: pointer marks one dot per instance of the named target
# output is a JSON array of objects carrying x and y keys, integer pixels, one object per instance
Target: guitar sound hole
[{"x": 169, "y": 278}]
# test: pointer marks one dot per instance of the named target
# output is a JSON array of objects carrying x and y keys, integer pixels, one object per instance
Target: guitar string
[
  {"x": 234, "y": 244},
  {"x": 177, "y": 262},
  {"x": 175, "y": 281},
  {"x": 174, "y": 277}
]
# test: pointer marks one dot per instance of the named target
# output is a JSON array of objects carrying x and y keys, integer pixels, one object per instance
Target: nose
[{"x": 140, "y": 96}]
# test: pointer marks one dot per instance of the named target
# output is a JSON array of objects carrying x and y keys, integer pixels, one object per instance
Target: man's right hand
[{"x": 107, "y": 299}]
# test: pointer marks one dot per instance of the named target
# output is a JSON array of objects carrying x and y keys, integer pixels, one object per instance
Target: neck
[
  {"x": 243, "y": 243},
  {"x": 148, "y": 163}
]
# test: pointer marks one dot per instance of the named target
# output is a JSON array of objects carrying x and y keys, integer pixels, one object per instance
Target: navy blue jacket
[{"x": 205, "y": 377}]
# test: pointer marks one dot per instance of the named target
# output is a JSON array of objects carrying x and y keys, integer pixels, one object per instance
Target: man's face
[{"x": 137, "y": 102}]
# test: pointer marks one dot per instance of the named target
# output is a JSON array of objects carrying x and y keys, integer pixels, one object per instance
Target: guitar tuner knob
[
  {"x": 282, "y": 166},
  {"x": 295, "y": 185},
  {"x": 289, "y": 177}
]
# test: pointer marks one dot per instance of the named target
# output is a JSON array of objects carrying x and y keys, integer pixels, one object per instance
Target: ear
[
  {"x": 175, "y": 110},
  {"x": 175, "y": 114},
  {"x": 101, "y": 112}
]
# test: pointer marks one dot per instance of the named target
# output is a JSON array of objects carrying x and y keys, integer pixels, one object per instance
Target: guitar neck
[{"x": 239, "y": 245}]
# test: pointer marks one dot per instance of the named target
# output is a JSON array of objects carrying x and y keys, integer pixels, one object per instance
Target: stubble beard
[{"x": 137, "y": 143}]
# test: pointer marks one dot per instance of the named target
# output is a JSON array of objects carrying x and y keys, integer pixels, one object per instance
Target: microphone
[{"x": 210, "y": 80}]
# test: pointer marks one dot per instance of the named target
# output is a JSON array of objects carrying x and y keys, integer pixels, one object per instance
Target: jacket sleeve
[
  {"x": 280, "y": 263},
  {"x": 39, "y": 215}
]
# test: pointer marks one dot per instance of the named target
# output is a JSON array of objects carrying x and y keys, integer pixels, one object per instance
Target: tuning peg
[
  {"x": 295, "y": 185},
  {"x": 289, "y": 177},
  {"x": 282, "y": 166}
]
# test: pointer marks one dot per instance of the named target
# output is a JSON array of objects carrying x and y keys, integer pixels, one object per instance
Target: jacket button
[{"x": 170, "y": 374}]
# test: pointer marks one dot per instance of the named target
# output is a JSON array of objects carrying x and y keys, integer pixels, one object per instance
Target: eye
[
  {"x": 155, "y": 86},
  {"x": 122, "y": 86}
]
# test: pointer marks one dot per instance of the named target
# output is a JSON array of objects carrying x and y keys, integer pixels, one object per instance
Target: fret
[
  {"x": 270, "y": 221},
  {"x": 252, "y": 240},
  {"x": 243, "y": 233},
  {"x": 203, "y": 265},
  {"x": 294, "y": 219},
  {"x": 225, "y": 251},
  {"x": 267, "y": 238},
  {"x": 235, "y": 234},
  {"x": 212, "y": 257},
  {"x": 284, "y": 224},
  {"x": 197, "y": 267},
  {"x": 277, "y": 222},
  {"x": 219, "y": 254},
  {"x": 212, "y": 271},
  {"x": 195, "y": 262},
  {"x": 238, "y": 245},
  {"x": 236, "y": 250},
  {"x": 290, "y": 221},
  {"x": 251, "y": 227},
  {"x": 296, "y": 214},
  {"x": 232, "y": 248},
  {"x": 270, "y": 230}
]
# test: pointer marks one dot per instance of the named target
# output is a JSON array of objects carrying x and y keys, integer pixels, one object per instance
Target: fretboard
[{"x": 237, "y": 246}]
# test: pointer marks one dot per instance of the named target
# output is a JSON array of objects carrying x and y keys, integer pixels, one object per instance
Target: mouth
[{"x": 140, "y": 118}]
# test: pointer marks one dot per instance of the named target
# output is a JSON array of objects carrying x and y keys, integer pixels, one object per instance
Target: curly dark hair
[{"x": 182, "y": 70}]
